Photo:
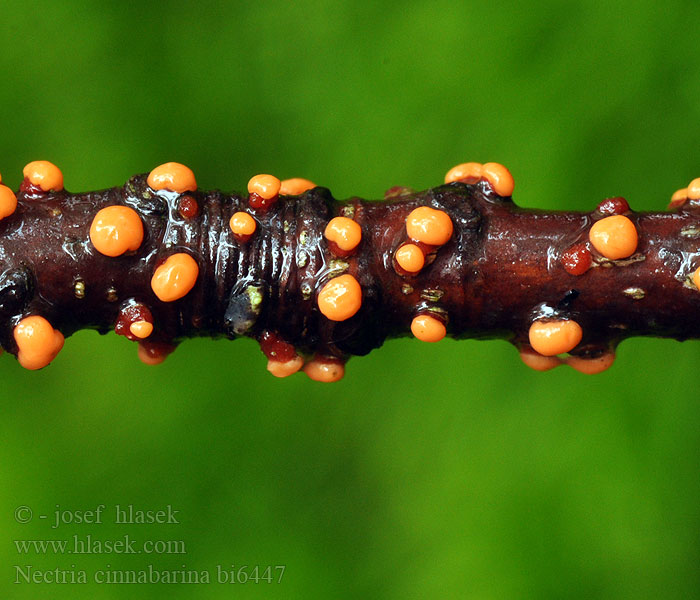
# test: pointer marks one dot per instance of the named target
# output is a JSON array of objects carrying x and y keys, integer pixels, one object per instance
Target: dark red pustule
[
  {"x": 613, "y": 206},
  {"x": 188, "y": 207},
  {"x": 257, "y": 202},
  {"x": 30, "y": 190},
  {"x": 131, "y": 313},
  {"x": 577, "y": 259},
  {"x": 275, "y": 348}
]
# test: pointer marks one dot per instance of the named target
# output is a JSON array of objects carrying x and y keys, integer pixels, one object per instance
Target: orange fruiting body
[
  {"x": 551, "y": 337},
  {"x": 410, "y": 258},
  {"x": 44, "y": 175},
  {"x": 591, "y": 366},
  {"x": 295, "y": 186},
  {"x": 340, "y": 298},
  {"x": 172, "y": 176},
  {"x": 265, "y": 186},
  {"x": 242, "y": 224},
  {"x": 430, "y": 226},
  {"x": 116, "y": 230},
  {"x": 696, "y": 278},
  {"x": 175, "y": 277},
  {"x": 469, "y": 172},
  {"x": 344, "y": 233},
  {"x": 538, "y": 362},
  {"x": 325, "y": 371},
  {"x": 8, "y": 202},
  {"x": 496, "y": 174},
  {"x": 614, "y": 237},
  {"x": 286, "y": 368},
  {"x": 141, "y": 329},
  {"x": 694, "y": 189},
  {"x": 679, "y": 198},
  {"x": 38, "y": 342},
  {"x": 428, "y": 329},
  {"x": 499, "y": 177}
]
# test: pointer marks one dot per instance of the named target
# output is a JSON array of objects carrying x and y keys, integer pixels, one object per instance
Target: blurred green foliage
[{"x": 431, "y": 471}]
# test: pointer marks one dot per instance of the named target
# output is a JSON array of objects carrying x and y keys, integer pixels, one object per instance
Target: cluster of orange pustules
[
  {"x": 428, "y": 229},
  {"x": 118, "y": 230}
]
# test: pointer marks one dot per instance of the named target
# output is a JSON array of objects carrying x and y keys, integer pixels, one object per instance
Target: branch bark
[{"x": 502, "y": 269}]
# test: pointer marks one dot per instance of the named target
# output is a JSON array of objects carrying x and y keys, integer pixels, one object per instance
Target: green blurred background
[{"x": 431, "y": 471}]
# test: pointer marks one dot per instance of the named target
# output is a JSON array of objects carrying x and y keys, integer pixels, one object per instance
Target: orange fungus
[
  {"x": 430, "y": 226},
  {"x": 550, "y": 337},
  {"x": 410, "y": 258},
  {"x": 174, "y": 177},
  {"x": 141, "y": 329},
  {"x": 265, "y": 186},
  {"x": 614, "y": 237},
  {"x": 44, "y": 175},
  {"x": 469, "y": 172},
  {"x": 8, "y": 202},
  {"x": 428, "y": 329},
  {"x": 538, "y": 362},
  {"x": 344, "y": 232},
  {"x": 242, "y": 224},
  {"x": 295, "y": 186},
  {"x": 696, "y": 278},
  {"x": 175, "y": 277},
  {"x": 679, "y": 197},
  {"x": 325, "y": 371},
  {"x": 499, "y": 178},
  {"x": 38, "y": 342},
  {"x": 591, "y": 366},
  {"x": 116, "y": 230},
  {"x": 285, "y": 368},
  {"x": 694, "y": 189},
  {"x": 340, "y": 298}
]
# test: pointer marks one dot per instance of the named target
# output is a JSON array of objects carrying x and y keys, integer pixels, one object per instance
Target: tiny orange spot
[
  {"x": 500, "y": 179},
  {"x": 37, "y": 341},
  {"x": 591, "y": 366},
  {"x": 242, "y": 224},
  {"x": 116, "y": 230},
  {"x": 295, "y": 186},
  {"x": 410, "y": 258},
  {"x": 172, "y": 176},
  {"x": 430, "y": 226},
  {"x": 141, "y": 329},
  {"x": 265, "y": 186},
  {"x": 175, "y": 277},
  {"x": 694, "y": 189},
  {"x": 340, "y": 298},
  {"x": 44, "y": 175},
  {"x": 538, "y": 362},
  {"x": 285, "y": 369},
  {"x": 678, "y": 199},
  {"x": 344, "y": 233},
  {"x": 325, "y": 371},
  {"x": 428, "y": 329},
  {"x": 469, "y": 172},
  {"x": 614, "y": 237},
  {"x": 8, "y": 202},
  {"x": 554, "y": 337}
]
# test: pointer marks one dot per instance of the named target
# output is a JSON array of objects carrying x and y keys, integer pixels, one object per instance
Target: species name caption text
[{"x": 88, "y": 544}]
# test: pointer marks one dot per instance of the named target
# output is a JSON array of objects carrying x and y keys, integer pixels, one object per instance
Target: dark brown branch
[{"x": 502, "y": 269}]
